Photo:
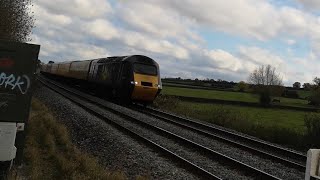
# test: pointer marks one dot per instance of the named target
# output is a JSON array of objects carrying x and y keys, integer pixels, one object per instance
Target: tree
[
  {"x": 16, "y": 22},
  {"x": 242, "y": 86},
  {"x": 265, "y": 75},
  {"x": 314, "y": 98},
  {"x": 307, "y": 86},
  {"x": 267, "y": 83},
  {"x": 296, "y": 85},
  {"x": 316, "y": 81}
]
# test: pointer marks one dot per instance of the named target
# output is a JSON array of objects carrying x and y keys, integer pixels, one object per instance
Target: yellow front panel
[{"x": 143, "y": 92}]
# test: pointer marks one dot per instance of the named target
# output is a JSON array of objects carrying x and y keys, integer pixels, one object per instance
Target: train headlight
[
  {"x": 134, "y": 82},
  {"x": 158, "y": 85}
]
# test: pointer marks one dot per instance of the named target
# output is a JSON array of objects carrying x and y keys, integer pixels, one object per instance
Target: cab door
[{"x": 126, "y": 79}]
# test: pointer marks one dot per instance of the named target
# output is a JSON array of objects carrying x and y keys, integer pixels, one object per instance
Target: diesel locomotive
[{"x": 134, "y": 78}]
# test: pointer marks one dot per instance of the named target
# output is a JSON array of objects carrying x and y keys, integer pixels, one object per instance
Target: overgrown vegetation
[
  {"x": 314, "y": 98},
  {"x": 166, "y": 101},
  {"x": 293, "y": 128},
  {"x": 241, "y": 86},
  {"x": 17, "y": 20},
  {"x": 50, "y": 153},
  {"x": 312, "y": 122}
]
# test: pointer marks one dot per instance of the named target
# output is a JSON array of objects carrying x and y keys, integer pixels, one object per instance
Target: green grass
[
  {"x": 260, "y": 116},
  {"x": 227, "y": 95},
  {"x": 50, "y": 153},
  {"x": 281, "y": 126},
  {"x": 303, "y": 93},
  {"x": 210, "y": 94}
]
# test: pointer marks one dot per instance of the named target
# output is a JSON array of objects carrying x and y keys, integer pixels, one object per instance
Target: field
[
  {"x": 227, "y": 95},
  {"x": 303, "y": 94},
  {"x": 287, "y": 119},
  {"x": 286, "y": 127},
  {"x": 283, "y": 126}
]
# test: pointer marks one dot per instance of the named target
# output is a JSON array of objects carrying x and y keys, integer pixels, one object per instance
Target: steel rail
[
  {"x": 216, "y": 156},
  {"x": 226, "y": 140},
  {"x": 225, "y": 133},
  {"x": 193, "y": 168}
]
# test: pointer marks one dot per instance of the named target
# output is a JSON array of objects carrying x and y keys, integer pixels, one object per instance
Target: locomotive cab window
[{"x": 145, "y": 69}]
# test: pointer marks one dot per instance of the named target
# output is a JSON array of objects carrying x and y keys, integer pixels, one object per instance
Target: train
[{"x": 127, "y": 79}]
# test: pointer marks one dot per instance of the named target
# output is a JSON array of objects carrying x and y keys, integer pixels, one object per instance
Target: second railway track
[
  {"x": 181, "y": 149},
  {"x": 282, "y": 155}
]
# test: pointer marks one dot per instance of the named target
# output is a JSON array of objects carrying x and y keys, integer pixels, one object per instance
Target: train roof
[
  {"x": 132, "y": 59},
  {"x": 110, "y": 59}
]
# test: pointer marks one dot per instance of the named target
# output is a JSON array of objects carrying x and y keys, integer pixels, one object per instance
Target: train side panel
[
  {"x": 80, "y": 69},
  {"x": 54, "y": 69},
  {"x": 63, "y": 69}
]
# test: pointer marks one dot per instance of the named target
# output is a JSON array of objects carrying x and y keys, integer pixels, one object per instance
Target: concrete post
[{"x": 313, "y": 165}]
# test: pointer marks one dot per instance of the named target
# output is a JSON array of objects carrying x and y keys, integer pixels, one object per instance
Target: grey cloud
[{"x": 177, "y": 49}]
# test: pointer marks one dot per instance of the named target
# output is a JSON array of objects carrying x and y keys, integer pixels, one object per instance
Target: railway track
[
  {"x": 285, "y": 156},
  {"x": 92, "y": 104}
]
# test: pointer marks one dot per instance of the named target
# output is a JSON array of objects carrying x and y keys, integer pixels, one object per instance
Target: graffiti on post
[{"x": 20, "y": 83}]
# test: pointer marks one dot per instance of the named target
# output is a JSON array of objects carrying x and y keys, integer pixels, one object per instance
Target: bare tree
[
  {"x": 267, "y": 83},
  {"x": 16, "y": 21},
  {"x": 265, "y": 75}
]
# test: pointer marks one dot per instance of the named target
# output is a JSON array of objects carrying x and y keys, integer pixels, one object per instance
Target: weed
[{"x": 312, "y": 123}]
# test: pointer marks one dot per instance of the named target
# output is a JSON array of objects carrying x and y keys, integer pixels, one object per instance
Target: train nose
[{"x": 145, "y": 87}]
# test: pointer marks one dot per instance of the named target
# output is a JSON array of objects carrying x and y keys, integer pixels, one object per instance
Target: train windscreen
[{"x": 145, "y": 69}]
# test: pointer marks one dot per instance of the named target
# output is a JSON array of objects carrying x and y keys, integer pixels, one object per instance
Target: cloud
[
  {"x": 77, "y": 8},
  {"x": 170, "y": 32},
  {"x": 310, "y": 4},
  {"x": 291, "y": 41},
  {"x": 155, "y": 20},
  {"x": 102, "y": 29},
  {"x": 43, "y": 17}
]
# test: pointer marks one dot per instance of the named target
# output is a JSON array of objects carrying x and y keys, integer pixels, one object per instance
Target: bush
[
  {"x": 312, "y": 123},
  {"x": 265, "y": 98},
  {"x": 314, "y": 99},
  {"x": 241, "y": 86}
]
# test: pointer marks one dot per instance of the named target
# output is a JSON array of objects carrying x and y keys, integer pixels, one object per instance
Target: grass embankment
[
  {"x": 304, "y": 94},
  {"x": 274, "y": 125},
  {"x": 227, "y": 95},
  {"x": 50, "y": 154}
]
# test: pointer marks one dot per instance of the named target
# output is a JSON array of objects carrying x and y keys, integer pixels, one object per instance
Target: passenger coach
[{"x": 127, "y": 78}]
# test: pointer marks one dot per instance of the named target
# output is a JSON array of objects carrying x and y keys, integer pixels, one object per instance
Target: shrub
[
  {"x": 265, "y": 98},
  {"x": 312, "y": 123},
  {"x": 314, "y": 99},
  {"x": 241, "y": 86}
]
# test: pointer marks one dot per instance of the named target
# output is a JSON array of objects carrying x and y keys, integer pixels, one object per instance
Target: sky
[{"x": 215, "y": 39}]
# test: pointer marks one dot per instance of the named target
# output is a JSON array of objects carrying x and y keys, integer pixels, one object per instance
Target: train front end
[{"x": 146, "y": 80}]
